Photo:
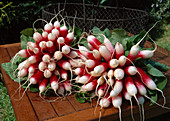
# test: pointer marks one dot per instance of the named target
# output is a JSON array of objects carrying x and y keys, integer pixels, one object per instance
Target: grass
[
  {"x": 6, "y": 110},
  {"x": 164, "y": 40}
]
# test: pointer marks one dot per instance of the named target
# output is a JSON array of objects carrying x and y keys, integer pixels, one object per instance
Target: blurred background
[{"x": 18, "y": 15}]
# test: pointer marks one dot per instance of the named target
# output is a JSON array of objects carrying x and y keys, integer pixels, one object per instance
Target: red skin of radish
[
  {"x": 127, "y": 70},
  {"x": 119, "y": 52},
  {"x": 69, "y": 38},
  {"x": 94, "y": 41},
  {"x": 48, "y": 28},
  {"x": 81, "y": 55},
  {"x": 63, "y": 72},
  {"x": 92, "y": 85},
  {"x": 104, "y": 65},
  {"x": 90, "y": 46},
  {"x": 45, "y": 36},
  {"x": 36, "y": 57},
  {"x": 130, "y": 85},
  {"x": 43, "y": 84},
  {"x": 146, "y": 79},
  {"x": 67, "y": 85},
  {"x": 37, "y": 77},
  {"x": 88, "y": 76},
  {"x": 96, "y": 62},
  {"x": 63, "y": 31},
  {"x": 86, "y": 53},
  {"x": 61, "y": 63},
  {"x": 51, "y": 49},
  {"x": 25, "y": 53},
  {"x": 103, "y": 87},
  {"x": 33, "y": 67},
  {"x": 39, "y": 51},
  {"x": 53, "y": 78},
  {"x": 37, "y": 37},
  {"x": 82, "y": 71}
]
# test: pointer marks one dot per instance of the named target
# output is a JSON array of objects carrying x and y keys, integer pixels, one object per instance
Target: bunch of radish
[
  {"x": 49, "y": 59},
  {"x": 112, "y": 75}
]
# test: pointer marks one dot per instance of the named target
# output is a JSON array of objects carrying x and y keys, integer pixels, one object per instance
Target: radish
[
  {"x": 117, "y": 102},
  {"x": 57, "y": 25},
  {"x": 37, "y": 37},
  {"x": 58, "y": 55},
  {"x": 119, "y": 50},
  {"x": 117, "y": 88},
  {"x": 80, "y": 71},
  {"x": 42, "y": 66},
  {"x": 127, "y": 96},
  {"x": 90, "y": 64},
  {"x": 50, "y": 46},
  {"x": 110, "y": 75},
  {"x": 47, "y": 73},
  {"x": 113, "y": 63},
  {"x": 38, "y": 51},
  {"x": 23, "y": 72},
  {"x": 63, "y": 74},
  {"x": 43, "y": 46},
  {"x": 105, "y": 102},
  {"x": 109, "y": 45},
  {"x": 45, "y": 36},
  {"x": 54, "y": 83},
  {"x": 86, "y": 52},
  {"x": 119, "y": 73},
  {"x": 122, "y": 60},
  {"x": 89, "y": 86},
  {"x": 42, "y": 85},
  {"x": 85, "y": 79},
  {"x": 52, "y": 37},
  {"x": 141, "y": 102},
  {"x": 61, "y": 89},
  {"x": 63, "y": 29},
  {"x": 96, "y": 54},
  {"x": 144, "y": 54},
  {"x": 46, "y": 57},
  {"x": 73, "y": 54},
  {"x": 66, "y": 49},
  {"x": 32, "y": 45},
  {"x": 67, "y": 86},
  {"x": 104, "y": 52},
  {"x": 81, "y": 56},
  {"x": 48, "y": 27},
  {"x": 34, "y": 59},
  {"x": 33, "y": 68},
  {"x": 131, "y": 89},
  {"x": 133, "y": 53},
  {"x": 101, "y": 68},
  {"x": 60, "y": 42},
  {"x": 52, "y": 66},
  {"x": 69, "y": 38},
  {"x": 90, "y": 47},
  {"x": 55, "y": 32},
  {"x": 77, "y": 63},
  {"x": 130, "y": 70},
  {"x": 36, "y": 77},
  {"x": 94, "y": 42},
  {"x": 56, "y": 72},
  {"x": 149, "y": 82}
]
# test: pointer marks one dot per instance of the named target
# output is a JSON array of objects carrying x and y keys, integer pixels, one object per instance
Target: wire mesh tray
[{"x": 88, "y": 16}]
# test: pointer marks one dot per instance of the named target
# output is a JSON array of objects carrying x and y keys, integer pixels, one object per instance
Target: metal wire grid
[{"x": 88, "y": 16}]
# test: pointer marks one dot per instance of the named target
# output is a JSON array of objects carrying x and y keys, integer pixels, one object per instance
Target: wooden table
[{"x": 32, "y": 107}]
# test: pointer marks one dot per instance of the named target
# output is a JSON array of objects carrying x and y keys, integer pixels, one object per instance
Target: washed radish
[
  {"x": 119, "y": 50},
  {"x": 119, "y": 73},
  {"x": 23, "y": 72},
  {"x": 46, "y": 57},
  {"x": 105, "y": 53},
  {"x": 50, "y": 46},
  {"x": 43, "y": 84},
  {"x": 52, "y": 66},
  {"x": 34, "y": 59},
  {"x": 85, "y": 79},
  {"x": 94, "y": 41},
  {"x": 57, "y": 55},
  {"x": 122, "y": 60},
  {"x": 80, "y": 71},
  {"x": 118, "y": 86},
  {"x": 66, "y": 49},
  {"x": 86, "y": 52},
  {"x": 63, "y": 74},
  {"x": 54, "y": 82},
  {"x": 130, "y": 70},
  {"x": 42, "y": 66},
  {"x": 89, "y": 86},
  {"x": 96, "y": 54},
  {"x": 61, "y": 89},
  {"x": 37, "y": 37},
  {"x": 47, "y": 73},
  {"x": 90, "y": 64},
  {"x": 113, "y": 63},
  {"x": 45, "y": 36},
  {"x": 48, "y": 27},
  {"x": 101, "y": 68}
]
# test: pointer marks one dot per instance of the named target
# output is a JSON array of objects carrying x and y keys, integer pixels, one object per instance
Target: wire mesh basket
[{"x": 88, "y": 16}]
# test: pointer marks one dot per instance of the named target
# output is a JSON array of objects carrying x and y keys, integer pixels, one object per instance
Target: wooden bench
[{"x": 33, "y": 108}]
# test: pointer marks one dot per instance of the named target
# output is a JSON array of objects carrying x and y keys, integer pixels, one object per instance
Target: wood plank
[
  {"x": 40, "y": 107},
  {"x": 23, "y": 109},
  {"x": 10, "y": 45},
  {"x": 78, "y": 106},
  {"x": 62, "y": 107}
]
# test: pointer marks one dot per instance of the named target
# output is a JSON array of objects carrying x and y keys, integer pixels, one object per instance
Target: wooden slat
[
  {"x": 10, "y": 45},
  {"x": 62, "y": 107},
  {"x": 78, "y": 106},
  {"x": 23, "y": 109},
  {"x": 40, "y": 107}
]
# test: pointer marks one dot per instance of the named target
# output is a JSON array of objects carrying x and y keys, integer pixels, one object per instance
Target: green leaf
[
  {"x": 160, "y": 66},
  {"x": 25, "y": 40},
  {"x": 153, "y": 71},
  {"x": 161, "y": 82},
  {"x": 34, "y": 88},
  {"x": 79, "y": 98},
  {"x": 27, "y": 32},
  {"x": 107, "y": 33},
  {"x": 119, "y": 35},
  {"x": 154, "y": 98}
]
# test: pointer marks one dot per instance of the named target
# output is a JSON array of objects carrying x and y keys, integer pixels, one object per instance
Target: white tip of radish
[
  {"x": 117, "y": 102},
  {"x": 58, "y": 55},
  {"x": 67, "y": 66},
  {"x": 98, "y": 69},
  {"x": 63, "y": 28},
  {"x": 122, "y": 60},
  {"x": 70, "y": 36},
  {"x": 45, "y": 34},
  {"x": 42, "y": 66},
  {"x": 151, "y": 85},
  {"x": 104, "y": 102},
  {"x": 22, "y": 72},
  {"x": 41, "y": 88},
  {"x": 54, "y": 85},
  {"x": 94, "y": 74},
  {"x": 73, "y": 54},
  {"x": 90, "y": 37},
  {"x": 134, "y": 50},
  {"x": 90, "y": 63},
  {"x": 132, "y": 90},
  {"x": 51, "y": 66},
  {"x": 66, "y": 49},
  {"x": 32, "y": 59},
  {"x": 100, "y": 92},
  {"x": 60, "y": 40},
  {"x": 42, "y": 44},
  {"x": 119, "y": 48},
  {"x": 55, "y": 32},
  {"x": 146, "y": 54},
  {"x": 141, "y": 100},
  {"x": 110, "y": 73},
  {"x": 57, "y": 24},
  {"x": 49, "y": 44},
  {"x": 119, "y": 73},
  {"x": 46, "y": 58},
  {"x": 110, "y": 81},
  {"x": 33, "y": 81},
  {"x": 132, "y": 70},
  {"x": 48, "y": 27},
  {"x": 114, "y": 63},
  {"x": 47, "y": 73}
]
